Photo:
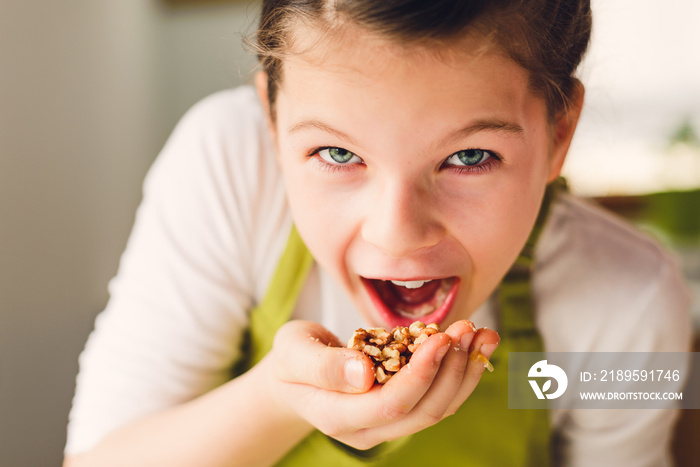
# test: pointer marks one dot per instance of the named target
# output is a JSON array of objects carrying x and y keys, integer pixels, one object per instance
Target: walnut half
[{"x": 391, "y": 351}]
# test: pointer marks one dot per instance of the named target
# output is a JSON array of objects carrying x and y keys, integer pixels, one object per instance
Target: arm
[
  {"x": 232, "y": 422},
  {"x": 172, "y": 328},
  {"x": 661, "y": 323},
  {"x": 255, "y": 419}
]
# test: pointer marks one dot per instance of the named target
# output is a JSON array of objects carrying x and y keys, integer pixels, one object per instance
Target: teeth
[{"x": 410, "y": 284}]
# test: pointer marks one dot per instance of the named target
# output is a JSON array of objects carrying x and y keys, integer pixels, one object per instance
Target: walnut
[{"x": 391, "y": 351}]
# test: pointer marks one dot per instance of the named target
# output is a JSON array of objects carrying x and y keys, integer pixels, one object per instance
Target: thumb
[{"x": 307, "y": 353}]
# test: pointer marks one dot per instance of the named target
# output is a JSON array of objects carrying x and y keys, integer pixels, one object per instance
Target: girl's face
[{"x": 402, "y": 164}]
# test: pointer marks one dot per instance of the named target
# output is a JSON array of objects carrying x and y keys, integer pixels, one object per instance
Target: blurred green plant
[
  {"x": 676, "y": 214},
  {"x": 685, "y": 134}
]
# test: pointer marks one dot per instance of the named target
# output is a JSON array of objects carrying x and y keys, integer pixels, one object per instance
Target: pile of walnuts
[{"x": 391, "y": 351}]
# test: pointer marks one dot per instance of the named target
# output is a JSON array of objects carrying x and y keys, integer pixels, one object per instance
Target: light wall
[
  {"x": 642, "y": 82},
  {"x": 89, "y": 90}
]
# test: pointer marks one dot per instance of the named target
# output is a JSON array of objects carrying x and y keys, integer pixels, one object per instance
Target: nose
[{"x": 401, "y": 220}]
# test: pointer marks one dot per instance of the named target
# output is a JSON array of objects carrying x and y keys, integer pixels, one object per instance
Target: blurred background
[{"x": 90, "y": 90}]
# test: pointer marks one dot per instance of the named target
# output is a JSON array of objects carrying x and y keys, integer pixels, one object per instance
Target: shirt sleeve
[
  {"x": 634, "y": 437},
  {"x": 178, "y": 305}
]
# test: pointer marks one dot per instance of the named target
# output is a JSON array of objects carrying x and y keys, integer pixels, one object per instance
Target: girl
[{"x": 393, "y": 164}]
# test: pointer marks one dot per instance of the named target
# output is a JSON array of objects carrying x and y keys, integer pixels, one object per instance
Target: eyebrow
[
  {"x": 317, "y": 125},
  {"x": 484, "y": 124}
]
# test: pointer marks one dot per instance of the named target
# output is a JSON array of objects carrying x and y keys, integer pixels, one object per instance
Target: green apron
[{"x": 483, "y": 432}]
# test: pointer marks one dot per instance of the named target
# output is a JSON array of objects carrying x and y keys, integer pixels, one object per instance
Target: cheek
[
  {"x": 493, "y": 224},
  {"x": 322, "y": 216},
  {"x": 510, "y": 222}
]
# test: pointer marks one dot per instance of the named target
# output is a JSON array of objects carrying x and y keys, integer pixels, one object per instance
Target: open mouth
[{"x": 402, "y": 302}]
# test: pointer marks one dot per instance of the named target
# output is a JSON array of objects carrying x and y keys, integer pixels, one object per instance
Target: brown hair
[{"x": 546, "y": 37}]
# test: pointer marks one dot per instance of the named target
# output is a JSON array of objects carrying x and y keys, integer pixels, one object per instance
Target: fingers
[
  {"x": 438, "y": 379},
  {"x": 452, "y": 372},
  {"x": 408, "y": 387},
  {"x": 437, "y": 401},
  {"x": 457, "y": 377},
  {"x": 307, "y": 353},
  {"x": 433, "y": 385},
  {"x": 385, "y": 404},
  {"x": 484, "y": 341}
]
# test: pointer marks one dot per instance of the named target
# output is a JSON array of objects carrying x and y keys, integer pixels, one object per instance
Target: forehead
[
  {"x": 371, "y": 86},
  {"x": 351, "y": 48},
  {"x": 471, "y": 66}
]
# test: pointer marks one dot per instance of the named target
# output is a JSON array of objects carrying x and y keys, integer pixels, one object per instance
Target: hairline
[{"x": 440, "y": 46}]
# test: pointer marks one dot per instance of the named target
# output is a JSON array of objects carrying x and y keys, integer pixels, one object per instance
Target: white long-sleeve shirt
[{"x": 207, "y": 238}]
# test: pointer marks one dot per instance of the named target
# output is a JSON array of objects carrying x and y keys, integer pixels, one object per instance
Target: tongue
[{"x": 415, "y": 296}]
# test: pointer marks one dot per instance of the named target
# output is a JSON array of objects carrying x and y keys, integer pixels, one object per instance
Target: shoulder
[
  {"x": 602, "y": 285},
  {"x": 239, "y": 104},
  {"x": 225, "y": 128},
  {"x": 598, "y": 238},
  {"x": 218, "y": 174}
]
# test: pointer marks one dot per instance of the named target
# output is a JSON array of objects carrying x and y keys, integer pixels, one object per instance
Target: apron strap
[
  {"x": 278, "y": 304},
  {"x": 515, "y": 304}
]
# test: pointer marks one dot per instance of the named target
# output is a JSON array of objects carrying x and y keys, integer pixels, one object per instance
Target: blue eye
[
  {"x": 469, "y": 157},
  {"x": 339, "y": 156}
]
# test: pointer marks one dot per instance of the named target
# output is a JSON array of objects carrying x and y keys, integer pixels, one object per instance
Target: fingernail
[
  {"x": 355, "y": 373},
  {"x": 466, "y": 340},
  {"x": 441, "y": 352},
  {"x": 488, "y": 349}
]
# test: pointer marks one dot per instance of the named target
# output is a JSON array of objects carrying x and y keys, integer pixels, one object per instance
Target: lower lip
[{"x": 393, "y": 319}]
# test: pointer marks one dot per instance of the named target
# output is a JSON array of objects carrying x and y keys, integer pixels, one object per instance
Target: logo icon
[{"x": 542, "y": 369}]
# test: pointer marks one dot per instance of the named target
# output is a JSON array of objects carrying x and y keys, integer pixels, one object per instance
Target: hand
[{"x": 332, "y": 387}]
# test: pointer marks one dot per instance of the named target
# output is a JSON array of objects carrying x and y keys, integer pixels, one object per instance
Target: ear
[
  {"x": 563, "y": 131},
  {"x": 261, "y": 88}
]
